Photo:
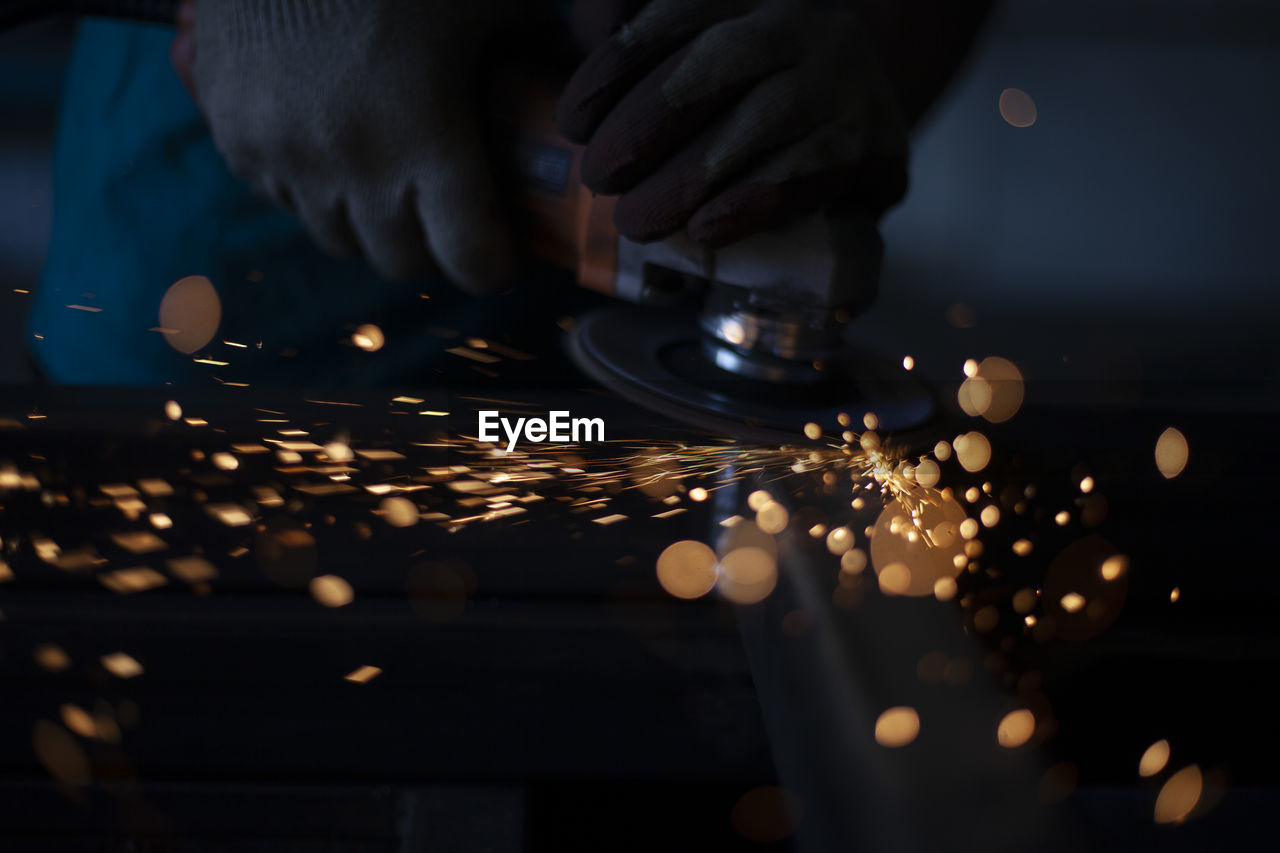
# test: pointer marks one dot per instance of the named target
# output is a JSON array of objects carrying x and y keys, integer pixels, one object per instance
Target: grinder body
[{"x": 773, "y": 305}]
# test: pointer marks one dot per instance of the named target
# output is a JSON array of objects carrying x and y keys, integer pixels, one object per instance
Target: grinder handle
[
  {"x": 829, "y": 261},
  {"x": 559, "y": 219}
]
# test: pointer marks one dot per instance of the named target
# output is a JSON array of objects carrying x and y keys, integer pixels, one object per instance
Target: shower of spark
[{"x": 923, "y": 544}]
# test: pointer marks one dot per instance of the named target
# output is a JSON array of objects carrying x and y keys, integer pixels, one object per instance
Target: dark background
[{"x": 1121, "y": 251}]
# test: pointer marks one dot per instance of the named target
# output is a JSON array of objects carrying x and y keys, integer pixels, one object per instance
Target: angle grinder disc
[{"x": 656, "y": 358}]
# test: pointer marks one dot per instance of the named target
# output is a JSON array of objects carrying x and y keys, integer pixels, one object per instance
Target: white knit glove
[{"x": 361, "y": 116}]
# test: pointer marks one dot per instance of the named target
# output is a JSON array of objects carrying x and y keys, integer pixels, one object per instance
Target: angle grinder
[{"x": 749, "y": 340}]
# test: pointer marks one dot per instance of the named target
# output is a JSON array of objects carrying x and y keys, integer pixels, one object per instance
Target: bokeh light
[
  {"x": 1016, "y": 728},
  {"x": 1179, "y": 795},
  {"x": 190, "y": 313},
  {"x": 1018, "y": 108},
  {"x": 1154, "y": 759},
  {"x": 687, "y": 569},
  {"x": 973, "y": 451},
  {"x": 331, "y": 591},
  {"x": 369, "y": 337},
  {"x": 917, "y": 561},
  {"x": 398, "y": 512},
  {"x": 748, "y": 575},
  {"x": 766, "y": 815},
  {"x": 1171, "y": 453},
  {"x": 897, "y": 727}
]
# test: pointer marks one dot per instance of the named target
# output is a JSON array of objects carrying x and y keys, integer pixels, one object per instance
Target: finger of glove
[
  {"x": 591, "y": 22},
  {"x": 275, "y": 190},
  {"x": 327, "y": 221},
  {"x": 680, "y": 97},
  {"x": 658, "y": 30},
  {"x": 833, "y": 163},
  {"x": 390, "y": 234},
  {"x": 772, "y": 115},
  {"x": 457, "y": 201}
]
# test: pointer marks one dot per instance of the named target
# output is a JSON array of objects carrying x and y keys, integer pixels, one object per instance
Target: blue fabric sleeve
[{"x": 142, "y": 199}]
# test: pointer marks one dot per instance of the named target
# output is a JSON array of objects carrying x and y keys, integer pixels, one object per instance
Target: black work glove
[{"x": 726, "y": 117}]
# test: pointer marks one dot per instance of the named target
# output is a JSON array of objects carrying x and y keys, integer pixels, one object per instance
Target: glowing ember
[
  {"x": 1114, "y": 567},
  {"x": 1171, "y": 453},
  {"x": 1024, "y": 600},
  {"x": 945, "y": 589},
  {"x": 973, "y": 451},
  {"x": 895, "y": 579},
  {"x": 748, "y": 575},
  {"x": 332, "y": 591},
  {"x": 363, "y": 674},
  {"x": 1004, "y": 389},
  {"x": 51, "y": 658},
  {"x": 928, "y": 473},
  {"x": 232, "y": 515},
  {"x": 132, "y": 580},
  {"x": 225, "y": 461},
  {"x": 1072, "y": 602},
  {"x": 1016, "y": 728},
  {"x": 338, "y": 452},
  {"x": 398, "y": 512},
  {"x": 1154, "y": 759},
  {"x": 121, "y": 665},
  {"x": 897, "y": 727},
  {"x": 687, "y": 569},
  {"x": 1179, "y": 795},
  {"x": 839, "y": 540},
  {"x": 192, "y": 569},
  {"x": 190, "y": 314},
  {"x": 772, "y": 518},
  {"x": 974, "y": 396},
  {"x": 78, "y": 720},
  {"x": 369, "y": 338},
  {"x": 61, "y": 756},
  {"x": 853, "y": 561}
]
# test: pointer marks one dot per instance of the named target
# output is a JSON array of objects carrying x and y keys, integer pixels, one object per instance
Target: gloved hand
[
  {"x": 361, "y": 116},
  {"x": 725, "y": 117}
]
